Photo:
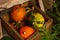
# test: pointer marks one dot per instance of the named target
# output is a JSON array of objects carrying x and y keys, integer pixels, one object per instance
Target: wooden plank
[
  {"x": 41, "y": 5},
  {"x": 1, "y": 34}
]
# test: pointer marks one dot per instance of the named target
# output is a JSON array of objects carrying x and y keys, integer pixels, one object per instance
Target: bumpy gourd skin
[{"x": 37, "y": 19}]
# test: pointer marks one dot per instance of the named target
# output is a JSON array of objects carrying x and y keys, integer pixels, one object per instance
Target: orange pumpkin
[
  {"x": 26, "y": 31},
  {"x": 18, "y": 13}
]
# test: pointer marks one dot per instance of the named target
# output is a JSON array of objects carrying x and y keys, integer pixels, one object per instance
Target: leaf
[
  {"x": 7, "y": 38},
  {"x": 55, "y": 5}
]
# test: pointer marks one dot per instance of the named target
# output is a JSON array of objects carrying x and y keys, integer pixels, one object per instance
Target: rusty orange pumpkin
[{"x": 18, "y": 13}]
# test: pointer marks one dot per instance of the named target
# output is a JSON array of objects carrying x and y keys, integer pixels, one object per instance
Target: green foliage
[
  {"x": 47, "y": 35},
  {"x": 55, "y": 14},
  {"x": 7, "y": 38}
]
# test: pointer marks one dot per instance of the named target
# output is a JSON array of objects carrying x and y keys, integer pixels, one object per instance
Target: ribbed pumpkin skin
[{"x": 18, "y": 13}]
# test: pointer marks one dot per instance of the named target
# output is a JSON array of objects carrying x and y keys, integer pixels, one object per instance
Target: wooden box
[{"x": 12, "y": 32}]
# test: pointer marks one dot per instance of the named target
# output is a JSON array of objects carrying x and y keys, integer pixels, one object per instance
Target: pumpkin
[
  {"x": 18, "y": 13},
  {"x": 26, "y": 31},
  {"x": 37, "y": 20}
]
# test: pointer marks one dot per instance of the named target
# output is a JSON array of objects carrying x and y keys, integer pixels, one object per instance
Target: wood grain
[{"x": 1, "y": 34}]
